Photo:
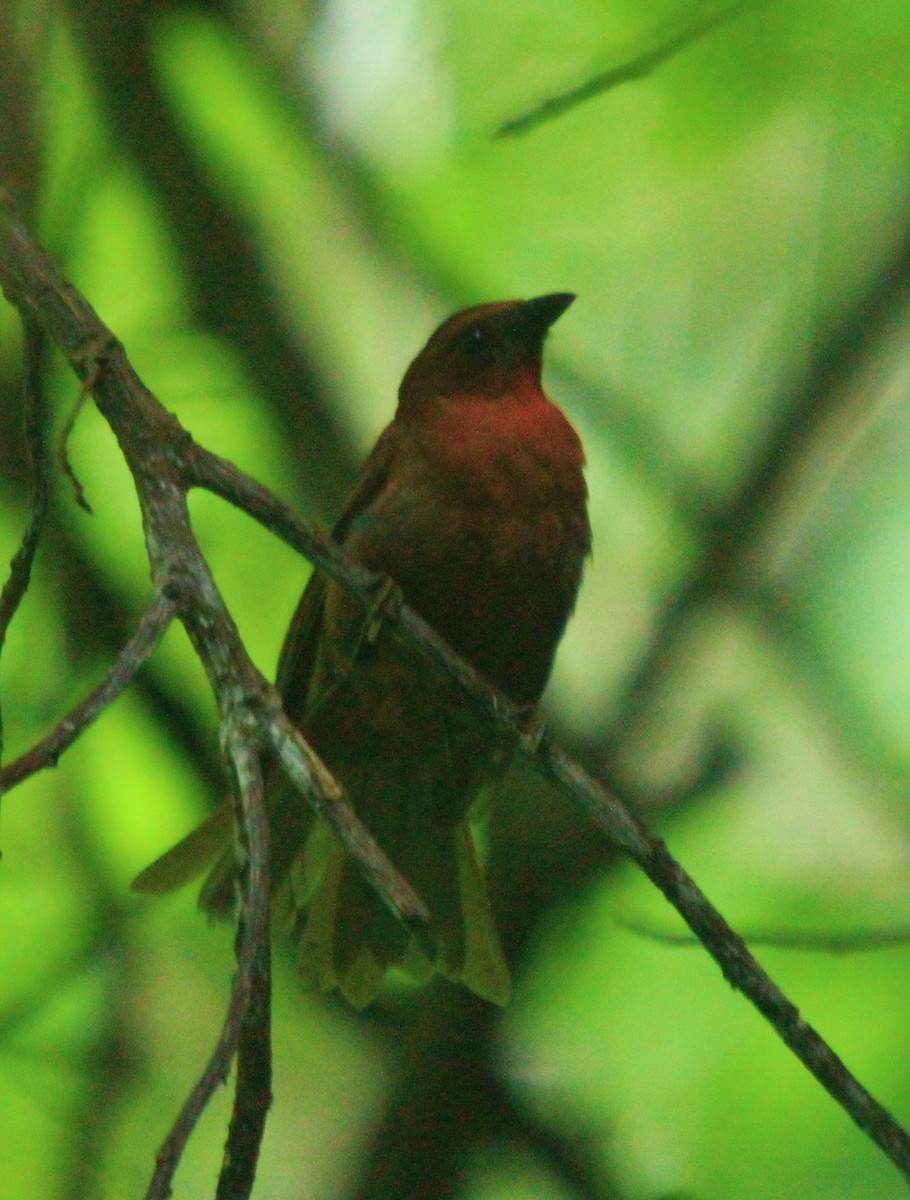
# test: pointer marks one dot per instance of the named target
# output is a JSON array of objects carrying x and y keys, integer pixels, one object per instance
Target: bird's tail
[{"x": 349, "y": 939}]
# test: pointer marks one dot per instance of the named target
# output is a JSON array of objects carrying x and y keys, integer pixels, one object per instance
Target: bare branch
[
  {"x": 253, "y": 1093},
  {"x": 63, "y": 449},
  {"x": 628, "y": 68},
  {"x": 160, "y": 454},
  {"x": 309, "y": 775},
  {"x": 156, "y": 449},
  {"x": 165, "y": 463},
  {"x": 34, "y": 420},
  {"x": 131, "y": 658},
  {"x": 812, "y": 941},
  {"x": 252, "y": 970},
  {"x": 739, "y": 967}
]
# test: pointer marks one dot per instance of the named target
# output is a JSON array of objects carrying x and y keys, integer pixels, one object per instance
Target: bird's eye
[{"x": 475, "y": 340}]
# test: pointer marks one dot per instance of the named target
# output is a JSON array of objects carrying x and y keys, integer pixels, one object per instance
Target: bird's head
[{"x": 486, "y": 350}]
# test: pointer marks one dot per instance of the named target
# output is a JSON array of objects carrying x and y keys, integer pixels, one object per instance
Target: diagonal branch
[
  {"x": 253, "y": 1093},
  {"x": 149, "y": 632},
  {"x": 157, "y": 448},
  {"x": 628, "y": 68},
  {"x": 20, "y": 571},
  {"x": 154, "y": 445},
  {"x": 252, "y": 945},
  {"x": 308, "y": 773},
  {"x": 165, "y": 463}
]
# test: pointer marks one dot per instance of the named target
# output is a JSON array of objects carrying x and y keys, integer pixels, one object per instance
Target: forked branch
[{"x": 165, "y": 463}]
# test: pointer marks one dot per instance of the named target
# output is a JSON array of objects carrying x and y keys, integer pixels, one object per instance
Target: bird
[{"x": 474, "y": 503}]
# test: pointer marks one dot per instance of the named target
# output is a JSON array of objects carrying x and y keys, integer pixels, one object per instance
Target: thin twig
[
  {"x": 728, "y": 950},
  {"x": 307, "y": 772},
  {"x": 149, "y": 632},
  {"x": 253, "y": 1091},
  {"x": 34, "y": 420},
  {"x": 165, "y": 463},
  {"x": 252, "y": 937},
  {"x": 63, "y": 452},
  {"x": 737, "y": 964},
  {"x": 157, "y": 450},
  {"x": 803, "y": 941},
  {"x": 629, "y": 68}
]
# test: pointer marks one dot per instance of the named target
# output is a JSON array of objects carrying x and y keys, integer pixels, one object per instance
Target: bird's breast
[
  {"x": 519, "y": 451},
  {"x": 483, "y": 523}
]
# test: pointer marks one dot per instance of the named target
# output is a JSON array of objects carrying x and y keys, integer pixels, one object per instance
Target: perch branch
[
  {"x": 166, "y": 463},
  {"x": 154, "y": 445},
  {"x": 20, "y": 571},
  {"x": 252, "y": 945},
  {"x": 159, "y": 453},
  {"x": 149, "y": 632},
  {"x": 628, "y": 68},
  {"x": 253, "y": 1094}
]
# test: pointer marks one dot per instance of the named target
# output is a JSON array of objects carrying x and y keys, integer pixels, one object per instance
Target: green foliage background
[{"x": 272, "y": 204}]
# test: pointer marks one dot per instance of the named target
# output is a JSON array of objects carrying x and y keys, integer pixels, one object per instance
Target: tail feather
[
  {"x": 191, "y": 856},
  {"x": 484, "y": 968},
  {"x": 349, "y": 939}
]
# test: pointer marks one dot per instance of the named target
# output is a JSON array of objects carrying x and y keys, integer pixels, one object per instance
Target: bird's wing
[
  {"x": 190, "y": 857},
  {"x": 300, "y": 647},
  {"x": 300, "y": 653},
  {"x": 373, "y": 478},
  {"x": 296, "y": 664},
  {"x": 323, "y": 637}
]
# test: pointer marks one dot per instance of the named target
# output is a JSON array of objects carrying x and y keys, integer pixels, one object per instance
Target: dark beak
[{"x": 539, "y": 314}]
